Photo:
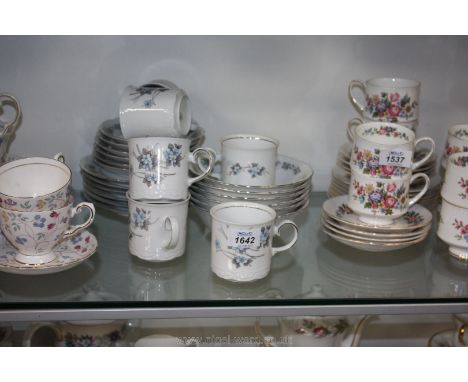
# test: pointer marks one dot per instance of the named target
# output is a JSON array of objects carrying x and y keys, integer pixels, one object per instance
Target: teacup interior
[
  {"x": 244, "y": 215},
  {"x": 249, "y": 143},
  {"x": 388, "y": 134},
  {"x": 33, "y": 179},
  {"x": 389, "y": 82}
]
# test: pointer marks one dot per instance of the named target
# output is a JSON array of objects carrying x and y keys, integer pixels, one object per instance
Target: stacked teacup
[
  {"x": 457, "y": 142},
  {"x": 155, "y": 118},
  {"x": 36, "y": 207},
  {"x": 453, "y": 223}
]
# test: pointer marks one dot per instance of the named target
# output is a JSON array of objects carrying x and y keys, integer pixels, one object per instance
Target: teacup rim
[
  {"x": 157, "y": 202},
  {"x": 70, "y": 204},
  {"x": 274, "y": 141},
  {"x": 456, "y": 126},
  {"x": 258, "y": 206},
  {"x": 154, "y": 139},
  {"x": 451, "y": 157},
  {"x": 415, "y": 83},
  {"x": 380, "y": 123},
  {"x": 401, "y": 178}
]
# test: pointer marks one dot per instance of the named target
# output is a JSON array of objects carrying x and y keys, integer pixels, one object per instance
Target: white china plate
[
  {"x": 90, "y": 167},
  {"x": 70, "y": 253},
  {"x": 416, "y": 217},
  {"x": 107, "y": 185}
]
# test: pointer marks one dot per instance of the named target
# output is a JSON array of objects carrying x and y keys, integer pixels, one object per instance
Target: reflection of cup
[
  {"x": 455, "y": 187},
  {"x": 159, "y": 167},
  {"x": 249, "y": 160},
  {"x": 154, "y": 110},
  {"x": 34, "y": 234},
  {"x": 241, "y": 240},
  {"x": 460, "y": 337},
  {"x": 381, "y": 201},
  {"x": 387, "y": 99}
]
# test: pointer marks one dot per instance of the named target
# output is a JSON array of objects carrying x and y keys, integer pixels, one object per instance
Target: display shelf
[{"x": 113, "y": 284}]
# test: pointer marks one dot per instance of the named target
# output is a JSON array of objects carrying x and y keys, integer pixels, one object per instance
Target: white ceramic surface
[
  {"x": 249, "y": 160},
  {"x": 453, "y": 229},
  {"x": 157, "y": 230},
  {"x": 455, "y": 186},
  {"x": 159, "y": 167},
  {"x": 241, "y": 240}
]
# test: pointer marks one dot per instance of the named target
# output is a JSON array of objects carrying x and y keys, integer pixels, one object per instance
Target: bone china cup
[
  {"x": 241, "y": 240},
  {"x": 387, "y": 99},
  {"x": 455, "y": 187},
  {"x": 159, "y": 167},
  {"x": 374, "y": 142},
  {"x": 379, "y": 201},
  {"x": 355, "y": 122},
  {"x": 453, "y": 229},
  {"x": 249, "y": 160},
  {"x": 34, "y": 234},
  {"x": 154, "y": 110},
  {"x": 457, "y": 140},
  {"x": 35, "y": 184},
  {"x": 157, "y": 230}
]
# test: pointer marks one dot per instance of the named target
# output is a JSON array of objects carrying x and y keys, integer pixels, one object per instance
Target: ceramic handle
[
  {"x": 175, "y": 232},
  {"x": 29, "y": 333},
  {"x": 80, "y": 227},
  {"x": 8, "y": 98},
  {"x": 60, "y": 157},
  {"x": 352, "y": 124},
  {"x": 356, "y": 84},
  {"x": 276, "y": 230},
  {"x": 421, "y": 193},
  {"x": 431, "y": 151},
  {"x": 211, "y": 161}
]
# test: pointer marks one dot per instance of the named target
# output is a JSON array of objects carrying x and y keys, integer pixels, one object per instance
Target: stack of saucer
[
  {"x": 341, "y": 175},
  {"x": 105, "y": 172},
  {"x": 342, "y": 224},
  {"x": 287, "y": 197}
]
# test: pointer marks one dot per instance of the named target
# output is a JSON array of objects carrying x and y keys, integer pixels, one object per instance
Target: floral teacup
[
  {"x": 453, "y": 229},
  {"x": 380, "y": 201},
  {"x": 159, "y": 167},
  {"x": 455, "y": 187},
  {"x": 34, "y": 234},
  {"x": 457, "y": 141}
]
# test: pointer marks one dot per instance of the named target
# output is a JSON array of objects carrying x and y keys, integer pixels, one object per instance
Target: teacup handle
[
  {"x": 431, "y": 151},
  {"x": 352, "y": 124},
  {"x": 4, "y": 97},
  {"x": 175, "y": 232},
  {"x": 30, "y": 331},
  {"x": 211, "y": 162},
  {"x": 80, "y": 227},
  {"x": 276, "y": 230},
  {"x": 421, "y": 193},
  {"x": 356, "y": 84}
]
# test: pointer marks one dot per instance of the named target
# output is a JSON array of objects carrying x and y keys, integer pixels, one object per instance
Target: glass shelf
[{"x": 113, "y": 284}]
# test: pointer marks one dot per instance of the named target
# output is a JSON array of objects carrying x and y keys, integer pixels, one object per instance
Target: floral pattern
[
  {"x": 173, "y": 155},
  {"x": 42, "y": 203},
  {"x": 151, "y": 90},
  {"x": 390, "y": 106},
  {"x": 380, "y": 197},
  {"x": 462, "y": 230},
  {"x": 387, "y": 131},
  {"x": 449, "y": 150},
  {"x": 254, "y": 169},
  {"x": 343, "y": 210},
  {"x": 368, "y": 161},
  {"x": 141, "y": 219},
  {"x": 461, "y": 133},
  {"x": 289, "y": 166},
  {"x": 461, "y": 161},
  {"x": 463, "y": 183},
  {"x": 413, "y": 217},
  {"x": 321, "y": 328}
]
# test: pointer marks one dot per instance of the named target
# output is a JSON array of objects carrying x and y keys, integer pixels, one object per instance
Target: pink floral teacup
[
  {"x": 380, "y": 201},
  {"x": 457, "y": 141},
  {"x": 34, "y": 234},
  {"x": 455, "y": 187}
]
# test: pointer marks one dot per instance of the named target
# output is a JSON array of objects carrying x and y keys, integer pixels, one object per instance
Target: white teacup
[
  {"x": 387, "y": 99},
  {"x": 380, "y": 201},
  {"x": 455, "y": 187},
  {"x": 35, "y": 233},
  {"x": 35, "y": 184},
  {"x": 249, "y": 160},
  {"x": 453, "y": 229},
  {"x": 159, "y": 167},
  {"x": 356, "y": 121},
  {"x": 457, "y": 140},
  {"x": 241, "y": 240},
  {"x": 157, "y": 231},
  {"x": 386, "y": 150},
  {"x": 154, "y": 110}
]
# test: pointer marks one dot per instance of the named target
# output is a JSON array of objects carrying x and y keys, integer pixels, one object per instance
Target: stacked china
[
  {"x": 155, "y": 119},
  {"x": 453, "y": 223},
  {"x": 36, "y": 209},
  {"x": 457, "y": 142}
]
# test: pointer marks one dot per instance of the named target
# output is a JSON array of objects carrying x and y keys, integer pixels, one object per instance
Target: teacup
[
  {"x": 387, "y": 99},
  {"x": 35, "y": 184},
  {"x": 453, "y": 229},
  {"x": 35, "y": 233},
  {"x": 241, "y": 240},
  {"x": 249, "y": 160},
  {"x": 457, "y": 140},
  {"x": 157, "y": 231},
  {"x": 159, "y": 167},
  {"x": 154, "y": 110},
  {"x": 380, "y": 201},
  {"x": 7, "y": 127},
  {"x": 356, "y": 121},
  {"x": 386, "y": 150},
  {"x": 455, "y": 187}
]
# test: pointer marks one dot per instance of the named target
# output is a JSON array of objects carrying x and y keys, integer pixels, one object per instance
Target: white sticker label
[
  {"x": 395, "y": 157},
  {"x": 243, "y": 238}
]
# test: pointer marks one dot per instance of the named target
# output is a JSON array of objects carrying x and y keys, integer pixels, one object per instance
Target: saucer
[{"x": 69, "y": 253}]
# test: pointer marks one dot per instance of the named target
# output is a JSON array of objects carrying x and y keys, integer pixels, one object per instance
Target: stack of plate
[
  {"x": 287, "y": 197},
  {"x": 343, "y": 225},
  {"x": 105, "y": 172},
  {"x": 341, "y": 176}
]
